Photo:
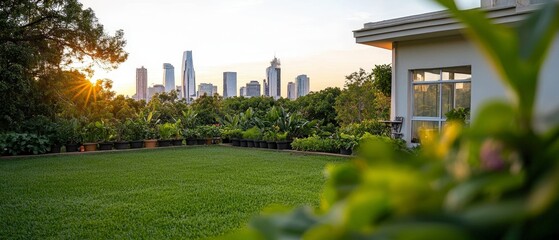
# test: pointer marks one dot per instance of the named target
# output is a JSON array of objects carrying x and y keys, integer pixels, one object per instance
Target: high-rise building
[
  {"x": 141, "y": 83},
  {"x": 168, "y": 77},
  {"x": 253, "y": 89},
  {"x": 188, "y": 77},
  {"x": 206, "y": 88},
  {"x": 273, "y": 73},
  {"x": 266, "y": 88},
  {"x": 291, "y": 91},
  {"x": 229, "y": 84},
  {"x": 303, "y": 85},
  {"x": 242, "y": 91},
  {"x": 155, "y": 89},
  {"x": 214, "y": 90}
]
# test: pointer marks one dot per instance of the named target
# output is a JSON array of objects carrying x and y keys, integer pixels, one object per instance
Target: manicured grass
[{"x": 165, "y": 193}]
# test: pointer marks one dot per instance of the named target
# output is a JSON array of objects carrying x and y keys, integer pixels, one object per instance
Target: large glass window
[{"x": 435, "y": 92}]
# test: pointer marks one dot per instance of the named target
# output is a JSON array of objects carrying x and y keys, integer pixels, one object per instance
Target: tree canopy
[
  {"x": 363, "y": 96},
  {"x": 42, "y": 44}
]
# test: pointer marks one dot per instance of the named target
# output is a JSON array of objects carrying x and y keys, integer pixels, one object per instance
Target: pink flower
[{"x": 491, "y": 155}]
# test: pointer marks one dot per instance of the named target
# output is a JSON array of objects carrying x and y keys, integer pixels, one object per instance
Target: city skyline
[{"x": 323, "y": 46}]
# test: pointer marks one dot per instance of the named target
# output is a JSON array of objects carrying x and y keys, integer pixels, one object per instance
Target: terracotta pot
[
  {"x": 150, "y": 143},
  {"x": 90, "y": 147}
]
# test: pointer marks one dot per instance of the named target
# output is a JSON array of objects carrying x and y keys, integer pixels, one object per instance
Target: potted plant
[
  {"x": 150, "y": 121},
  {"x": 166, "y": 131},
  {"x": 106, "y": 135},
  {"x": 346, "y": 143},
  {"x": 235, "y": 135},
  {"x": 91, "y": 135},
  {"x": 56, "y": 137},
  {"x": 122, "y": 135},
  {"x": 282, "y": 142},
  {"x": 150, "y": 139},
  {"x": 137, "y": 131},
  {"x": 69, "y": 130},
  {"x": 202, "y": 135},
  {"x": 190, "y": 134},
  {"x": 271, "y": 139},
  {"x": 177, "y": 134},
  {"x": 216, "y": 134},
  {"x": 250, "y": 135}
]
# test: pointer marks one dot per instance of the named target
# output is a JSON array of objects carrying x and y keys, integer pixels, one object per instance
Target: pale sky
[{"x": 312, "y": 37}]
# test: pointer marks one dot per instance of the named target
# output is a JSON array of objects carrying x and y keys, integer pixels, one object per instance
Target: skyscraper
[
  {"x": 291, "y": 91},
  {"x": 273, "y": 73},
  {"x": 188, "y": 77},
  {"x": 266, "y": 88},
  {"x": 229, "y": 84},
  {"x": 253, "y": 89},
  {"x": 242, "y": 91},
  {"x": 141, "y": 83},
  {"x": 155, "y": 89},
  {"x": 206, "y": 89},
  {"x": 303, "y": 85},
  {"x": 168, "y": 77}
]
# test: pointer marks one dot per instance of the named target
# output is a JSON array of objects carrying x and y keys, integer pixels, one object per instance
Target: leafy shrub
[
  {"x": 315, "y": 144},
  {"x": 270, "y": 136},
  {"x": 346, "y": 141},
  {"x": 208, "y": 131},
  {"x": 166, "y": 130},
  {"x": 136, "y": 130},
  {"x": 69, "y": 130},
  {"x": 397, "y": 145},
  {"x": 190, "y": 133},
  {"x": 367, "y": 126},
  {"x": 252, "y": 133},
  {"x": 231, "y": 133},
  {"x": 91, "y": 133},
  {"x": 23, "y": 143}
]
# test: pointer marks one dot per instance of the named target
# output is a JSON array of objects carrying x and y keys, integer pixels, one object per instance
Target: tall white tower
[
  {"x": 168, "y": 77},
  {"x": 273, "y": 72},
  {"x": 188, "y": 77}
]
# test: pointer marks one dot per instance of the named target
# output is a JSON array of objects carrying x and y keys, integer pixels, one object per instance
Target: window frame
[{"x": 440, "y": 119}]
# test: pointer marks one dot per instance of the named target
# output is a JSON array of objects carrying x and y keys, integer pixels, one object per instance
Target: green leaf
[{"x": 492, "y": 187}]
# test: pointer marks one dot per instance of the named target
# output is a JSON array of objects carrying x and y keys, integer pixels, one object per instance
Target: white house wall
[{"x": 456, "y": 51}]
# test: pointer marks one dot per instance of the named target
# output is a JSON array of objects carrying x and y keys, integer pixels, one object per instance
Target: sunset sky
[{"x": 312, "y": 37}]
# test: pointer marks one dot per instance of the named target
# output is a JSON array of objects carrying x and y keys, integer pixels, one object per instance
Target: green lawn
[{"x": 165, "y": 193}]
